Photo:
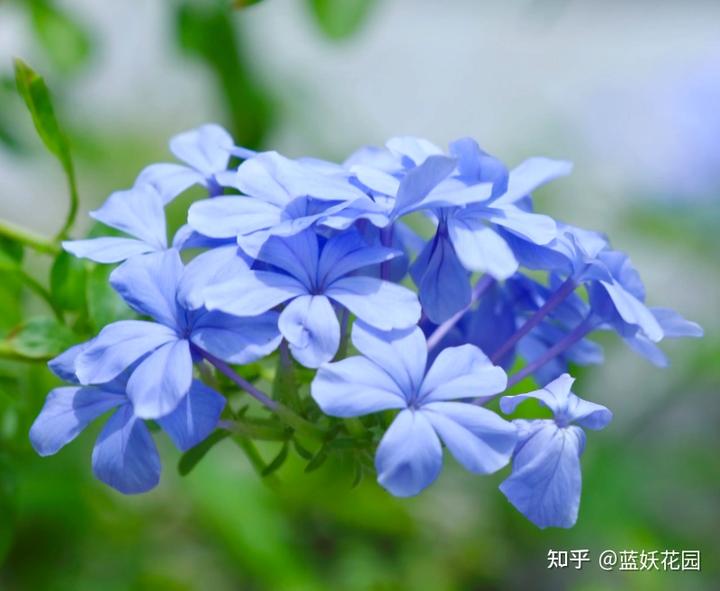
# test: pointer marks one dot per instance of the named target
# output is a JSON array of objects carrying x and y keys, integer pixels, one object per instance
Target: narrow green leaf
[
  {"x": 278, "y": 461},
  {"x": 339, "y": 19},
  {"x": 192, "y": 457},
  {"x": 35, "y": 93},
  {"x": 303, "y": 452},
  {"x": 37, "y": 339},
  {"x": 317, "y": 461}
]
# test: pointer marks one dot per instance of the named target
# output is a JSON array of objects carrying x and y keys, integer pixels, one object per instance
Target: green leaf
[
  {"x": 103, "y": 303},
  {"x": 38, "y": 339},
  {"x": 65, "y": 42},
  {"x": 240, "y": 4},
  {"x": 278, "y": 461},
  {"x": 317, "y": 461},
  {"x": 190, "y": 458},
  {"x": 11, "y": 254},
  {"x": 68, "y": 279},
  {"x": 35, "y": 93},
  {"x": 339, "y": 19}
]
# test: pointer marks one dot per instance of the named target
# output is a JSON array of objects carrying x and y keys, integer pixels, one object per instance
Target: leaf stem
[{"x": 28, "y": 238}]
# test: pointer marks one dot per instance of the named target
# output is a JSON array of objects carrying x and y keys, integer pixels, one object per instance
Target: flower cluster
[{"x": 304, "y": 258}]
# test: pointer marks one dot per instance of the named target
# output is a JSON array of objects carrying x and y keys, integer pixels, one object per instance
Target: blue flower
[
  {"x": 392, "y": 374},
  {"x": 206, "y": 152},
  {"x": 307, "y": 273},
  {"x": 281, "y": 197},
  {"x": 139, "y": 213},
  {"x": 157, "y": 285},
  {"x": 546, "y": 481},
  {"x": 124, "y": 456}
]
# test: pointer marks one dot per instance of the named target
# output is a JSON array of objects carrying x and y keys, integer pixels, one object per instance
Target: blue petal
[
  {"x": 478, "y": 438},
  {"x": 461, "y": 372},
  {"x": 211, "y": 267},
  {"x": 443, "y": 283},
  {"x": 149, "y": 285},
  {"x": 414, "y": 149},
  {"x": 631, "y": 310},
  {"x": 67, "y": 411},
  {"x": 195, "y": 418},
  {"x": 409, "y": 457},
  {"x": 296, "y": 255},
  {"x": 125, "y": 456},
  {"x": 206, "y": 149},
  {"x": 117, "y": 347},
  {"x": 554, "y": 396},
  {"x": 311, "y": 328},
  {"x": 63, "y": 366},
  {"x": 546, "y": 481},
  {"x": 418, "y": 182},
  {"x": 354, "y": 387},
  {"x": 479, "y": 248},
  {"x": 161, "y": 380},
  {"x": 234, "y": 339},
  {"x": 531, "y": 174},
  {"x": 348, "y": 252},
  {"x": 138, "y": 212},
  {"x": 286, "y": 179},
  {"x": 381, "y": 304},
  {"x": 253, "y": 293},
  {"x": 401, "y": 353},
  {"x": 674, "y": 326},
  {"x": 649, "y": 350},
  {"x": 537, "y": 228},
  {"x": 476, "y": 165},
  {"x": 108, "y": 249},
  {"x": 169, "y": 180},
  {"x": 231, "y": 216}
]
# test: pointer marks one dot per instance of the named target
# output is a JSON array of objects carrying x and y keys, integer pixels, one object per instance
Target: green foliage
[
  {"x": 207, "y": 31},
  {"x": 37, "y": 339},
  {"x": 104, "y": 305},
  {"x": 66, "y": 43},
  {"x": 339, "y": 19},
  {"x": 192, "y": 457},
  {"x": 35, "y": 93},
  {"x": 68, "y": 282}
]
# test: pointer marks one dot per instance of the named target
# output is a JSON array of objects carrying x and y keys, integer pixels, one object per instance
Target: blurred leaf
[
  {"x": 208, "y": 32},
  {"x": 103, "y": 303},
  {"x": 68, "y": 279},
  {"x": 339, "y": 19},
  {"x": 278, "y": 461},
  {"x": 65, "y": 42},
  {"x": 190, "y": 458},
  {"x": 239, "y": 4},
  {"x": 37, "y": 97},
  {"x": 11, "y": 254},
  {"x": 37, "y": 339},
  {"x": 317, "y": 461}
]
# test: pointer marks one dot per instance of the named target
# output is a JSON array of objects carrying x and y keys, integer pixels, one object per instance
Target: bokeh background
[{"x": 630, "y": 91}]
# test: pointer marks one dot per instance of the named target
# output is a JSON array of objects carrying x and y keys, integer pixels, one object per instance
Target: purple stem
[
  {"x": 480, "y": 288},
  {"x": 561, "y": 346},
  {"x": 550, "y": 304},
  {"x": 257, "y": 394}
]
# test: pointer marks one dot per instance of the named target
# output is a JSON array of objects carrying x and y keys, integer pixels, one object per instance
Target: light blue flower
[
  {"x": 206, "y": 152},
  {"x": 139, "y": 213},
  {"x": 546, "y": 480},
  {"x": 281, "y": 197},
  {"x": 308, "y": 274},
  {"x": 159, "y": 286},
  {"x": 124, "y": 456},
  {"x": 392, "y": 374}
]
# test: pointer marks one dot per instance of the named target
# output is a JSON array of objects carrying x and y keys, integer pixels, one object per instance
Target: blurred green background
[{"x": 629, "y": 91}]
